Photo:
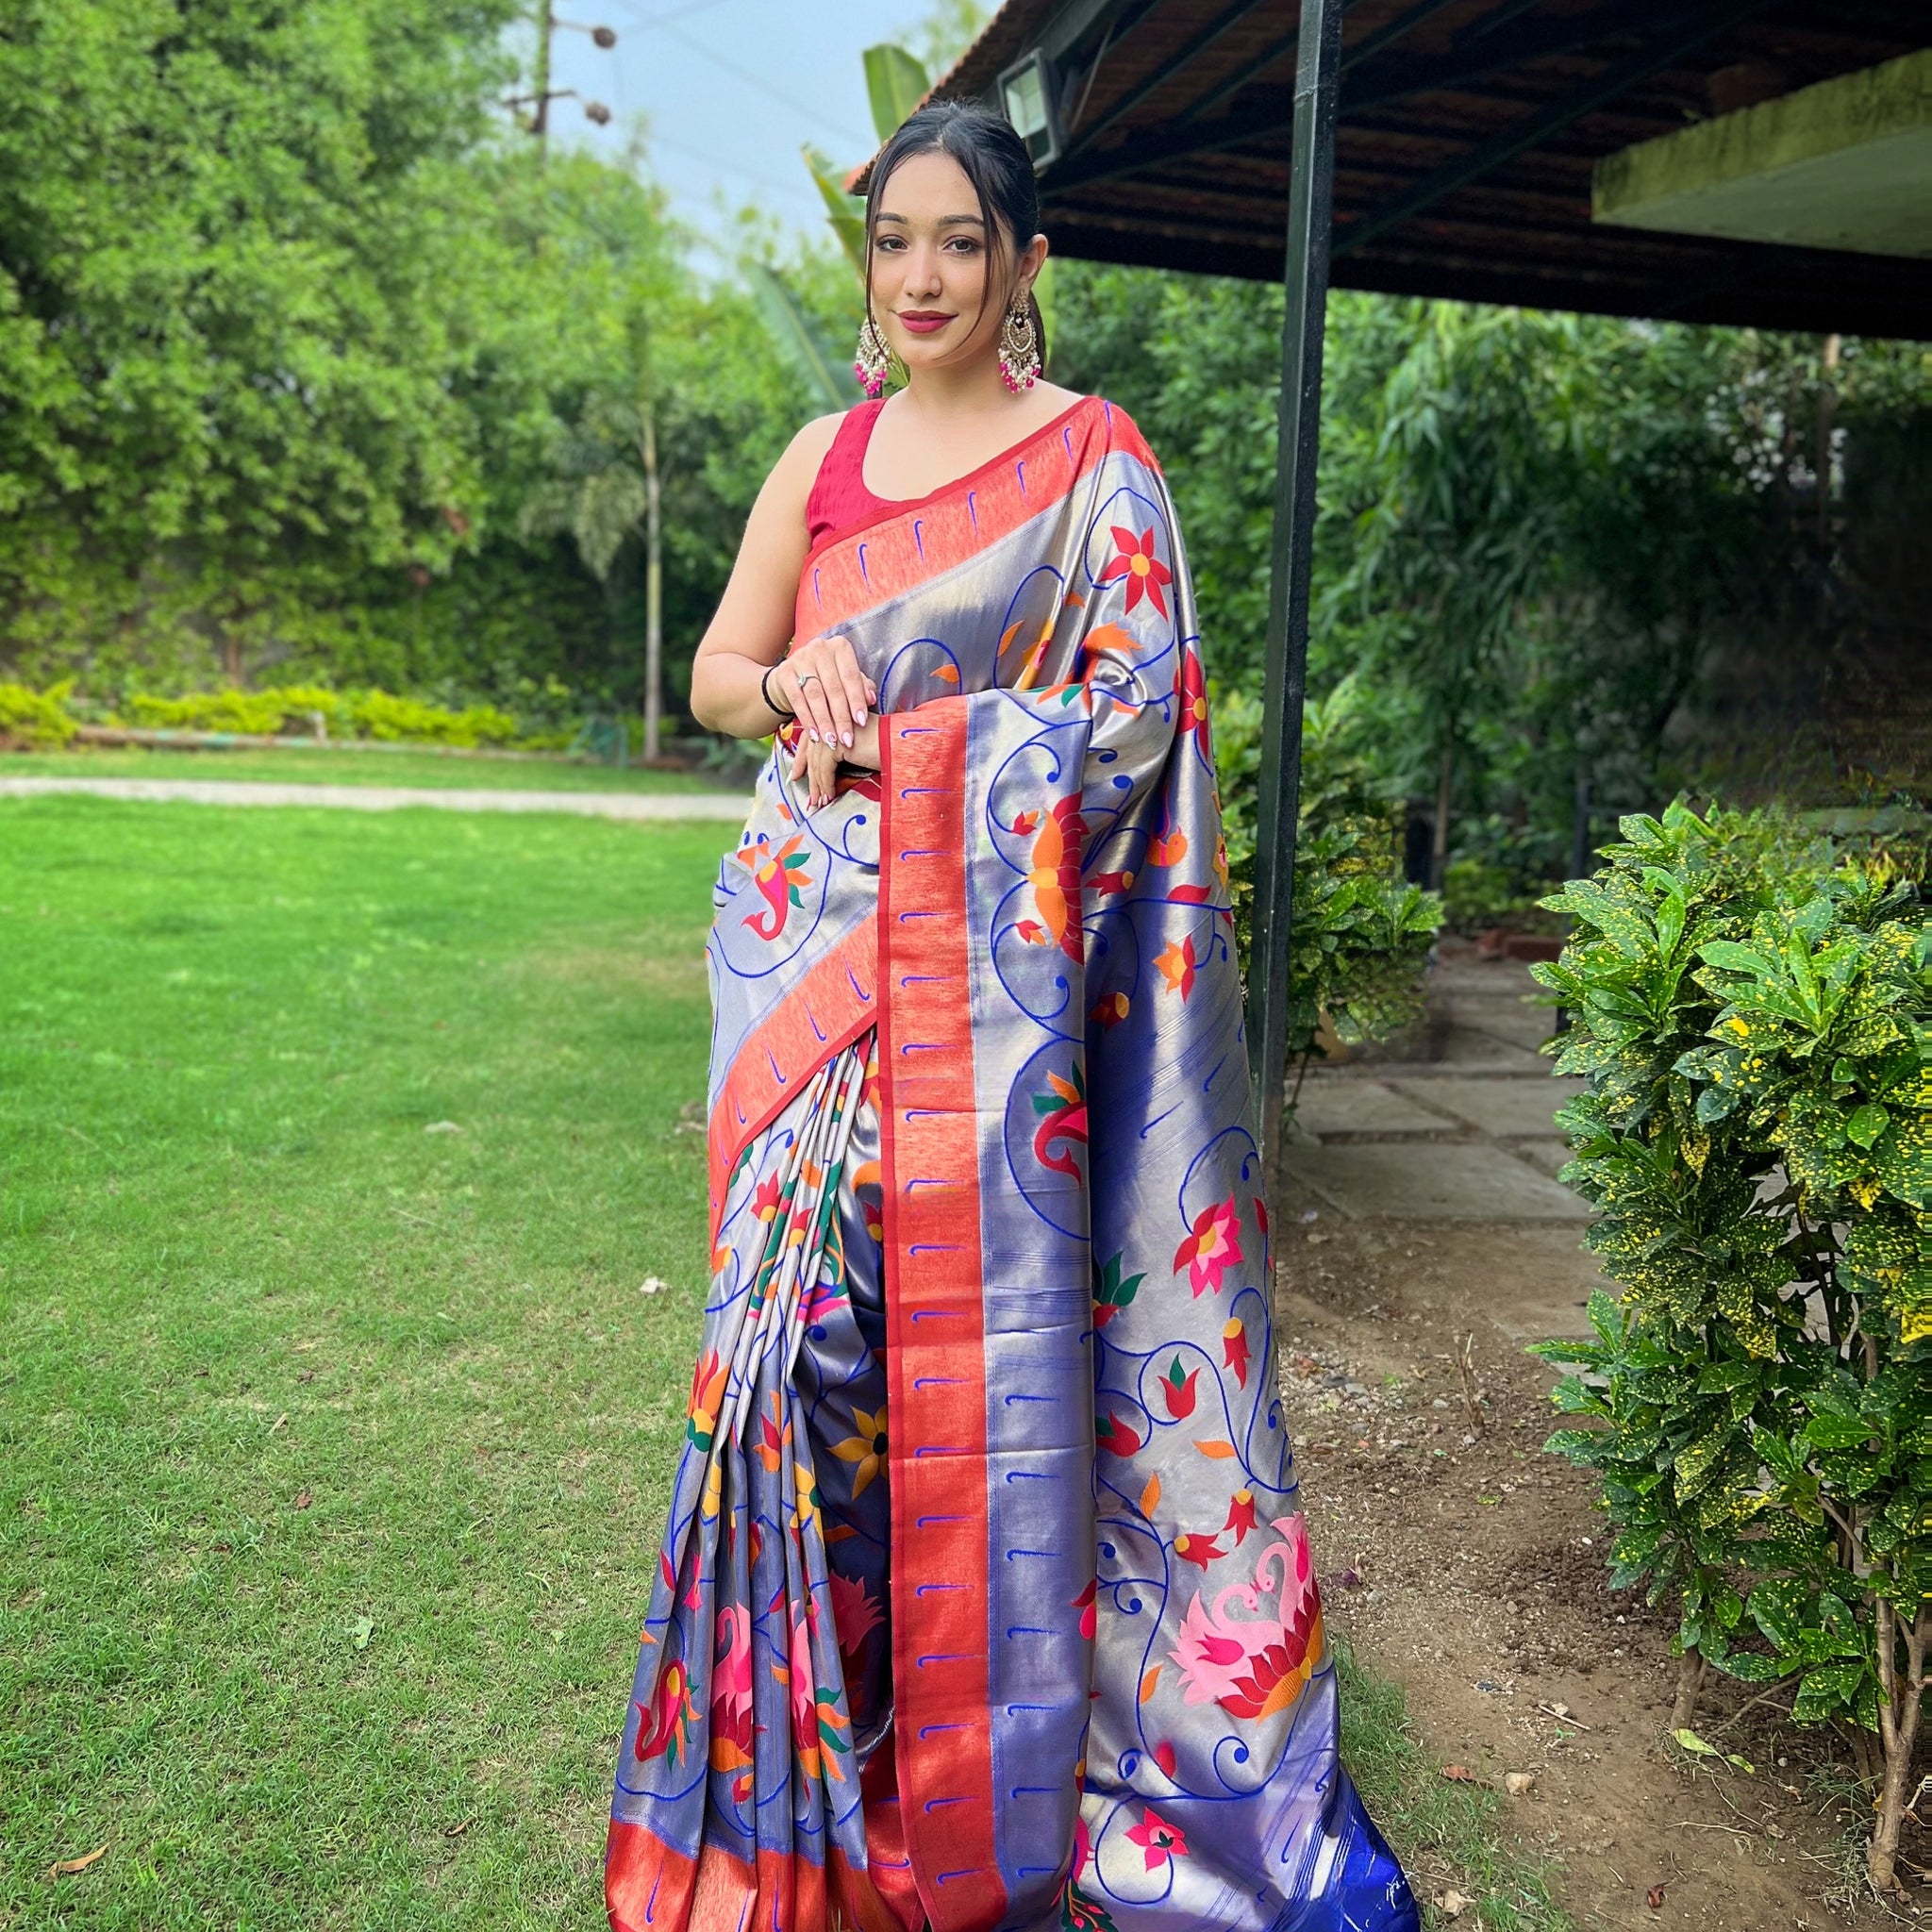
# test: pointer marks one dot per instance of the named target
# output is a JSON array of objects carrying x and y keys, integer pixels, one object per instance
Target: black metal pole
[{"x": 1310, "y": 202}]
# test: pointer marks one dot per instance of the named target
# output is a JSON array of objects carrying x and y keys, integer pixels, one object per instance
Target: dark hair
[{"x": 993, "y": 158}]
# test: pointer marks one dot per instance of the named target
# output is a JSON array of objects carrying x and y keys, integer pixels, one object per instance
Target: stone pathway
[
  {"x": 593, "y": 804},
  {"x": 1451, "y": 1121}
]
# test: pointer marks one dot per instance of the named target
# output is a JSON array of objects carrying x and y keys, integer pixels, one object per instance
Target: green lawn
[
  {"x": 278, "y": 1366},
  {"x": 334, "y": 1444},
  {"x": 324, "y": 767}
]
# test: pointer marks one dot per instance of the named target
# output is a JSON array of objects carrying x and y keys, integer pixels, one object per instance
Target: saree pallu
[{"x": 985, "y": 1600}]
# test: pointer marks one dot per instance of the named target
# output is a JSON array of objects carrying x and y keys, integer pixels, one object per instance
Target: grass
[
  {"x": 1447, "y": 1834},
  {"x": 236, "y": 1272},
  {"x": 333, "y": 1449},
  {"x": 324, "y": 766}
]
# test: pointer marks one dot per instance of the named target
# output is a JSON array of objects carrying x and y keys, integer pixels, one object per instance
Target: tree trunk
[
  {"x": 1827, "y": 411},
  {"x": 1898, "y": 1731},
  {"x": 539, "y": 115},
  {"x": 1445, "y": 786},
  {"x": 654, "y": 597},
  {"x": 1690, "y": 1682}
]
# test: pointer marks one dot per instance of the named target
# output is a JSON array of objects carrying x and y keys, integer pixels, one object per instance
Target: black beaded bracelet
[{"x": 765, "y": 693}]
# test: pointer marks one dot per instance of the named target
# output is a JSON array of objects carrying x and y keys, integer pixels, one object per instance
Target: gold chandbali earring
[
  {"x": 873, "y": 359},
  {"x": 1019, "y": 348}
]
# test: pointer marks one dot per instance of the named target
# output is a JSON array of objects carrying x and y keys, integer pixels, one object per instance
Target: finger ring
[{"x": 805, "y": 677}]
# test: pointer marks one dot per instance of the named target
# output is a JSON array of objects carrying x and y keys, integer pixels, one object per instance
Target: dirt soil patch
[{"x": 1466, "y": 1564}]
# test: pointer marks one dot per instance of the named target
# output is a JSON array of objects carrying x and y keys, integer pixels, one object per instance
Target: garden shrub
[
  {"x": 35, "y": 719},
  {"x": 291, "y": 711},
  {"x": 1752, "y": 1015},
  {"x": 254, "y": 714},
  {"x": 1360, "y": 934},
  {"x": 377, "y": 714}
]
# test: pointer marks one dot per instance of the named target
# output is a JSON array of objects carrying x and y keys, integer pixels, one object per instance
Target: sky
[{"x": 729, "y": 90}]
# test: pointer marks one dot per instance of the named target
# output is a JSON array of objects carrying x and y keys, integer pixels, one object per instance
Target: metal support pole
[{"x": 1310, "y": 202}]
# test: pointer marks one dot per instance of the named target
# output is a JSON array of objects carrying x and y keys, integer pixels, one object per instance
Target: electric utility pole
[{"x": 538, "y": 99}]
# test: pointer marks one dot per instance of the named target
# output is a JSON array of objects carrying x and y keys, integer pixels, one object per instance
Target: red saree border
[
  {"x": 935, "y": 1366},
  {"x": 857, "y": 570},
  {"x": 648, "y": 1884},
  {"x": 834, "y": 1001}
]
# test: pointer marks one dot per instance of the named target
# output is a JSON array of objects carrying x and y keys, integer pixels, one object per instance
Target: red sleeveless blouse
[{"x": 839, "y": 499}]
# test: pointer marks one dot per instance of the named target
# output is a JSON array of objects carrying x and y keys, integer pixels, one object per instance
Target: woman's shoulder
[
  {"x": 1121, "y": 432},
  {"x": 793, "y": 475},
  {"x": 809, "y": 448}
]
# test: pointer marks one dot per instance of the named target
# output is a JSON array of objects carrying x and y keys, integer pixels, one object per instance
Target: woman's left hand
[{"x": 817, "y": 761}]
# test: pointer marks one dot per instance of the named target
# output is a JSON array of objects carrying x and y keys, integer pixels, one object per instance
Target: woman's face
[{"x": 931, "y": 261}]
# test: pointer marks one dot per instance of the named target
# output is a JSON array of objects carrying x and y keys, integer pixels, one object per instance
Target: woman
[{"x": 984, "y": 1601}]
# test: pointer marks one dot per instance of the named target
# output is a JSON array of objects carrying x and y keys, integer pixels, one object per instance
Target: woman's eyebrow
[{"x": 944, "y": 221}]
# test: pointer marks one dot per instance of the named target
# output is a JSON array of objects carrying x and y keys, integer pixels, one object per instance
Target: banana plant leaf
[
  {"x": 895, "y": 83},
  {"x": 829, "y": 382},
  {"x": 846, "y": 212}
]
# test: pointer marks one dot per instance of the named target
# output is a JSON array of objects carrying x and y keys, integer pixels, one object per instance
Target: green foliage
[
  {"x": 35, "y": 719},
  {"x": 895, "y": 83},
  {"x": 289, "y": 709},
  {"x": 1545, "y": 539},
  {"x": 290, "y": 332},
  {"x": 1753, "y": 1013},
  {"x": 827, "y": 378},
  {"x": 1361, "y": 934}
]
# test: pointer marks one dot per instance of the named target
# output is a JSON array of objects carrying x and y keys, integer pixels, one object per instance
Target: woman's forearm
[{"x": 725, "y": 695}]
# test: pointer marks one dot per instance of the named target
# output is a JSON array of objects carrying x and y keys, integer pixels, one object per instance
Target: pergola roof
[{"x": 1467, "y": 136}]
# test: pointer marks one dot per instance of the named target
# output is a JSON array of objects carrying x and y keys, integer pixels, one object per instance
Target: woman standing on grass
[{"x": 985, "y": 1602}]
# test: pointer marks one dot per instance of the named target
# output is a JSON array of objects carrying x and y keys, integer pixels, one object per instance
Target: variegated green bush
[{"x": 1753, "y": 1013}]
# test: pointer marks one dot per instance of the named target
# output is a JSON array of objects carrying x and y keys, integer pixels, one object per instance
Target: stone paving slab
[
  {"x": 1362, "y": 1107},
  {"x": 1509, "y": 1019},
  {"x": 592, "y": 805},
  {"x": 1549, "y": 1156},
  {"x": 1504, "y": 1108},
  {"x": 1440, "y": 1182}
]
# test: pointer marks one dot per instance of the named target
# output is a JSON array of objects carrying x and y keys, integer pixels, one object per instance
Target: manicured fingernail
[
  {"x": 814, "y": 738},
  {"x": 846, "y": 738}
]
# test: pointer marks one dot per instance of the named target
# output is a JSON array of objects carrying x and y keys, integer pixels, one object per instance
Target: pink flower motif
[
  {"x": 1256, "y": 1665},
  {"x": 731, "y": 1674},
  {"x": 855, "y": 1612},
  {"x": 1159, "y": 1842},
  {"x": 1213, "y": 1247}
]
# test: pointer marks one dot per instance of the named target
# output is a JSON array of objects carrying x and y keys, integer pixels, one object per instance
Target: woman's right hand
[{"x": 830, "y": 697}]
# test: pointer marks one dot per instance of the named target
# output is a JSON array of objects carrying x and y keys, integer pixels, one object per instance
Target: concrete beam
[{"x": 1844, "y": 164}]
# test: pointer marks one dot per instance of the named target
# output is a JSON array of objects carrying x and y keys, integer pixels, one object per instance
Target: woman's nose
[{"x": 922, "y": 272}]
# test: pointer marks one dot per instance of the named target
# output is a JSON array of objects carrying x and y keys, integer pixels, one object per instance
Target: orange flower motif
[
  {"x": 1134, "y": 559},
  {"x": 707, "y": 1393},
  {"x": 1175, "y": 963},
  {"x": 866, "y": 1450},
  {"x": 1168, "y": 848},
  {"x": 1053, "y": 872},
  {"x": 775, "y": 1442}
]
